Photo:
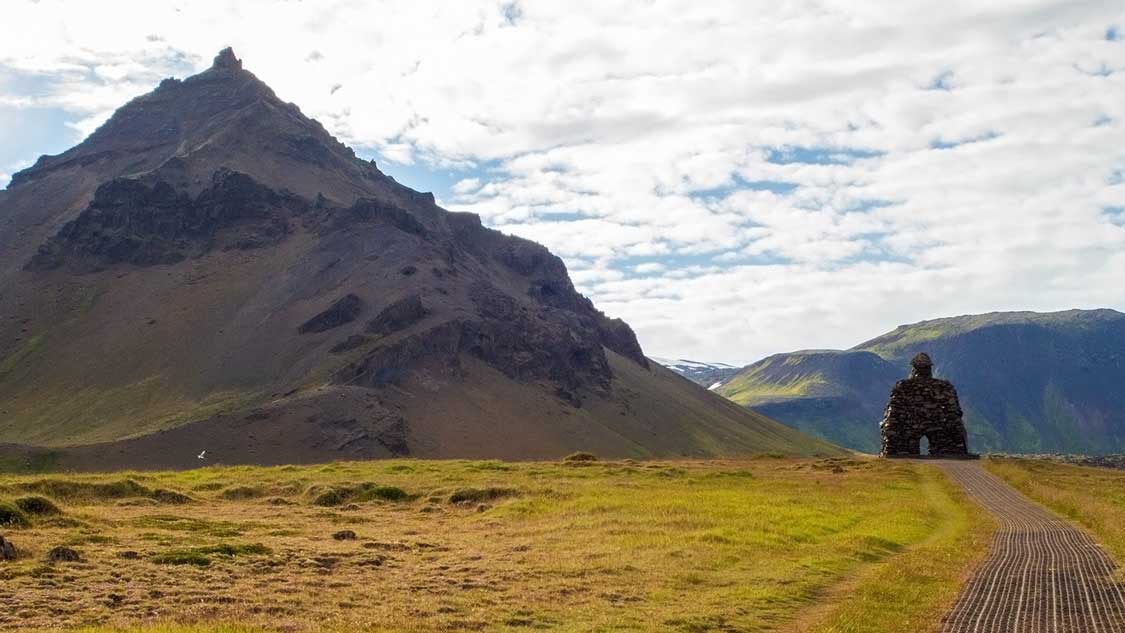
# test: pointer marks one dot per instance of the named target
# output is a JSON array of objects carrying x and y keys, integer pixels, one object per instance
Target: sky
[{"x": 733, "y": 178}]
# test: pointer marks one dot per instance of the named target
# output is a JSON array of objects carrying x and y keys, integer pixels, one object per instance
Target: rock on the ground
[
  {"x": 62, "y": 554},
  {"x": 7, "y": 550}
]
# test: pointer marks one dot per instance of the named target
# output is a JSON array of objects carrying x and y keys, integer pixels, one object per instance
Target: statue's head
[{"x": 921, "y": 366}]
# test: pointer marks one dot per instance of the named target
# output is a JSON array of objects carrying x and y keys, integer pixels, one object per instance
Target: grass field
[
  {"x": 755, "y": 545},
  {"x": 1091, "y": 497}
]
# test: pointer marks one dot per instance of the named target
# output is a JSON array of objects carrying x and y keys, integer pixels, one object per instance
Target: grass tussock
[
  {"x": 11, "y": 516},
  {"x": 241, "y": 493},
  {"x": 339, "y": 495},
  {"x": 86, "y": 492},
  {"x": 481, "y": 495},
  {"x": 37, "y": 506},
  {"x": 160, "y": 495}
]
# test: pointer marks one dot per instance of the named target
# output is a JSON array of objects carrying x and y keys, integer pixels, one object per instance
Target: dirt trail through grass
[{"x": 1041, "y": 575}]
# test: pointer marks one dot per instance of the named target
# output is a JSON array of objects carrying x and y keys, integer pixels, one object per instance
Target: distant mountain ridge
[
  {"x": 710, "y": 375},
  {"x": 1028, "y": 382}
]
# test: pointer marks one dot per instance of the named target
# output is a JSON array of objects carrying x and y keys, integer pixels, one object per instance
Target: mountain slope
[
  {"x": 1028, "y": 382},
  {"x": 826, "y": 393},
  {"x": 212, "y": 265}
]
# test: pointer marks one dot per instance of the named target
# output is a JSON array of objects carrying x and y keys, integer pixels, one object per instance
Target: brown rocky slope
[{"x": 211, "y": 270}]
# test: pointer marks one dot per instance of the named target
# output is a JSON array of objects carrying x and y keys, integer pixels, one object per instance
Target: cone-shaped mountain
[{"x": 211, "y": 269}]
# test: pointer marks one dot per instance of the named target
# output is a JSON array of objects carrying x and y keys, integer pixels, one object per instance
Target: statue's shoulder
[{"x": 900, "y": 387}]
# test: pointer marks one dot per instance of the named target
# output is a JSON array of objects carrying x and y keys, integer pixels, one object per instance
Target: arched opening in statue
[{"x": 924, "y": 446}]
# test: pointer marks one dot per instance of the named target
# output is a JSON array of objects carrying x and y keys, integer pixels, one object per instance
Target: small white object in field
[{"x": 201, "y": 455}]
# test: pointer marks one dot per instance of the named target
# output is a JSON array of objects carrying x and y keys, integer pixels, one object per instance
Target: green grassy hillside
[{"x": 1028, "y": 382}]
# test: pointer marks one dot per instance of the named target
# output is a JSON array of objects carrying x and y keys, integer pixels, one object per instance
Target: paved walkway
[{"x": 1042, "y": 575}]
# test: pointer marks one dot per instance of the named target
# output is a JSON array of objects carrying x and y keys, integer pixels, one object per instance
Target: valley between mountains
[{"x": 1029, "y": 382}]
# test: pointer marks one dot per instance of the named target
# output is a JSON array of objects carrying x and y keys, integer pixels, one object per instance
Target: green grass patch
[
  {"x": 200, "y": 527},
  {"x": 202, "y": 556},
  {"x": 908, "y": 589},
  {"x": 340, "y": 495},
  {"x": 33, "y": 462},
  {"x": 29, "y": 347}
]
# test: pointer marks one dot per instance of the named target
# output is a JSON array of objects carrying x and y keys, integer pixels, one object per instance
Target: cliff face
[{"x": 211, "y": 257}]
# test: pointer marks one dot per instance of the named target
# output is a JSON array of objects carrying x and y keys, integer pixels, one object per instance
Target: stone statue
[{"x": 923, "y": 406}]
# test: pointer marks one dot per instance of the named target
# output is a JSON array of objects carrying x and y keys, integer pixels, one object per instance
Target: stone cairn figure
[{"x": 923, "y": 406}]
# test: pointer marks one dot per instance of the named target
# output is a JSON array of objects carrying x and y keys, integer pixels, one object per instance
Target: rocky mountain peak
[{"x": 226, "y": 60}]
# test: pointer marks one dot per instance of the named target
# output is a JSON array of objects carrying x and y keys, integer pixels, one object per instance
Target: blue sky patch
[
  {"x": 939, "y": 143},
  {"x": 1115, "y": 215},
  {"x": 942, "y": 82},
  {"x": 818, "y": 155},
  {"x": 738, "y": 183}
]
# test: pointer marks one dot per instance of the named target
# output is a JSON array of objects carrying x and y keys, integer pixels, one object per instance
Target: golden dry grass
[
  {"x": 751, "y": 545},
  {"x": 1091, "y": 497}
]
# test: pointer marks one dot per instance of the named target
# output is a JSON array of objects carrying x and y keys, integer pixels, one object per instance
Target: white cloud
[{"x": 990, "y": 138}]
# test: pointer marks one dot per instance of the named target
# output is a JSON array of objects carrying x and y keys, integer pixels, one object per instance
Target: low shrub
[{"x": 581, "y": 456}]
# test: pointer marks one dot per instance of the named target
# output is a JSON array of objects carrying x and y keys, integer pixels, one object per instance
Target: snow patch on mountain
[{"x": 710, "y": 375}]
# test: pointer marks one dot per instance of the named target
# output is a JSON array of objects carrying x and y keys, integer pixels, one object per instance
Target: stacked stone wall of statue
[{"x": 923, "y": 406}]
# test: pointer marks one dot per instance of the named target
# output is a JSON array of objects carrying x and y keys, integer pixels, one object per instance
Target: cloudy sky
[{"x": 734, "y": 178}]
